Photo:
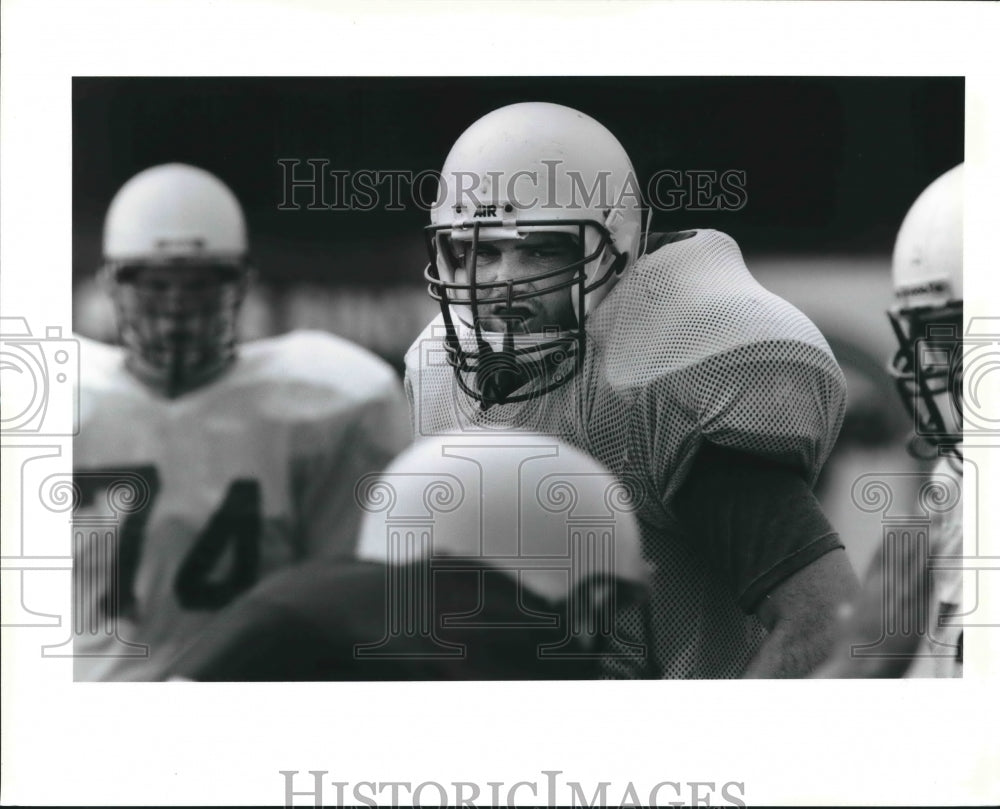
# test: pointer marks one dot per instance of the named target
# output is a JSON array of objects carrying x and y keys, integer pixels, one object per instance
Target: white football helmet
[
  {"x": 176, "y": 266},
  {"x": 522, "y": 169},
  {"x": 530, "y": 505},
  {"x": 927, "y": 320}
]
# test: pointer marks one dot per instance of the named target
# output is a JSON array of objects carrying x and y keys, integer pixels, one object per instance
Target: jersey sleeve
[
  {"x": 756, "y": 521},
  {"x": 779, "y": 399},
  {"x": 763, "y": 380},
  {"x": 706, "y": 353}
]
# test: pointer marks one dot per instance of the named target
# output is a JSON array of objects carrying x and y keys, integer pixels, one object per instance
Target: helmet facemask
[
  {"x": 524, "y": 169},
  {"x": 491, "y": 366},
  {"x": 177, "y": 319},
  {"x": 927, "y": 368}
]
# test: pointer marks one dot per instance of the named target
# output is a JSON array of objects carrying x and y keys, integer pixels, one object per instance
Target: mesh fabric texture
[{"x": 687, "y": 348}]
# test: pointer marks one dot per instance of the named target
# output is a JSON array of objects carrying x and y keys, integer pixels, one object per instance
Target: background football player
[
  {"x": 461, "y": 574},
  {"x": 201, "y": 468},
  {"x": 663, "y": 358},
  {"x": 910, "y": 584}
]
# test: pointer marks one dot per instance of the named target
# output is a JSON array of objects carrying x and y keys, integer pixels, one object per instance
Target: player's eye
[
  {"x": 484, "y": 253},
  {"x": 456, "y": 254},
  {"x": 553, "y": 251},
  {"x": 128, "y": 275}
]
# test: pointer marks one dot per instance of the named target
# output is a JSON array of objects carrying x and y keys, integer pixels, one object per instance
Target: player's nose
[
  {"x": 171, "y": 298},
  {"x": 503, "y": 268},
  {"x": 175, "y": 299}
]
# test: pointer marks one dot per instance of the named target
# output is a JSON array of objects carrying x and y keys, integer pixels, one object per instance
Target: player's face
[
  {"x": 175, "y": 299},
  {"x": 518, "y": 261},
  {"x": 178, "y": 316}
]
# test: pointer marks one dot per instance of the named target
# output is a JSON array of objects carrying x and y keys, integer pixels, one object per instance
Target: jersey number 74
[{"x": 235, "y": 526}]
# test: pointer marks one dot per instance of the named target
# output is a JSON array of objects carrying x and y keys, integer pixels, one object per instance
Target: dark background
[{"x": 832, "y": 163}]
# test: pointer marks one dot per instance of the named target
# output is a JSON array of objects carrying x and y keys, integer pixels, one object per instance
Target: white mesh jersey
[
  {"x": 939, "y": 653},
  {"x": 240, "y": 477},
  {"x": 687, "y": 348}
]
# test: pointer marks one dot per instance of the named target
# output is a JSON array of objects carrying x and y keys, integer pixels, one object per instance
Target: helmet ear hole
[{"x": 621, "y": 262}]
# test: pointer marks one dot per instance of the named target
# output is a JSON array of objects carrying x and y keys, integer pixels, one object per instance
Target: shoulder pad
[
  {"x": 690, "y": 300},
  {"x": 433, "y": 331},
  {"x": 101, "y": 365},
  {"x": 316, "y": 359},
  {"x": 310, "y": 375},
  {"x": 691, "y": 336}
]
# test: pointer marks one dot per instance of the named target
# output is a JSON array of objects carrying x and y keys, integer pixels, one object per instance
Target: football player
[
  {"x": 483, "y": 556},
  {"x": 899, "y": 625},
  {"x": 201, "y": 467},
  {"x": 663, "y": 358}
]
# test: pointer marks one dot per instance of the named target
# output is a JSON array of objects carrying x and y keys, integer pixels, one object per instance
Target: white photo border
[{"x": 802, "y": 742}]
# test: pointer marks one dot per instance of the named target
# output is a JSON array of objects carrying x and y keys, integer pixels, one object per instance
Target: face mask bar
[
  {"x": 936, "y": 332},
  {"x": 179, "y": 334},
  {"x": 500, "y": 372}
]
